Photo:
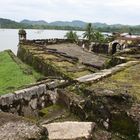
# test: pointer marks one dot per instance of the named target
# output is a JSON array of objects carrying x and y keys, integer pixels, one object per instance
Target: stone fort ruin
[{"x": 80, "y": 86}]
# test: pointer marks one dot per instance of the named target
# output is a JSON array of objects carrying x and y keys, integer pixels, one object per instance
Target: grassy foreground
[{"x": 14, "y": 74}]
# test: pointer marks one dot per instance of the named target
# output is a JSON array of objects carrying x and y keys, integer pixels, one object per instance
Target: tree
[
  {"x": 89, "y": 33},
  {"x": 99, "y": 37},
  {"x": 72, "y": 36},
  {"x": 92, "y": 35}
]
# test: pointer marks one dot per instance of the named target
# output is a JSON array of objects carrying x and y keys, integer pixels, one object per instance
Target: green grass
[
  {"x": 51, "y": 109},
  {"x": 81, "y": 73},
  {"x": 127, "y": 80},
  {"x": 58, "y": 113},
  {"x": 13, "y": 76}
]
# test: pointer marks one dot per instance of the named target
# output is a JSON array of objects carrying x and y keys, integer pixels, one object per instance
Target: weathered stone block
[
  {"x": 42, "y": 104},
  {"x": 70, "y": 130},
  {"x": 42, "y": 98},
  {"x": 7, "y": 99},
  {"x": 53, "y": 96},
  {"x": 42, "y": 89},
  {"x": 33, "y": 103},
  {"x": 27, "y": 95},
  {"x": 19, "y": 94},
  {"x": 33, "y": 91}
]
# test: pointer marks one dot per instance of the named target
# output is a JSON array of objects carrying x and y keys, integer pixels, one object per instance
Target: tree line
[{"x": 90, "y": 35}]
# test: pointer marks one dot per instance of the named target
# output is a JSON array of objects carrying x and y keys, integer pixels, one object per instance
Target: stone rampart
[
  {"x": 45, "y": 41},
  {"x": 28, "y": 101},
  {"x": 100, "y": 48}
]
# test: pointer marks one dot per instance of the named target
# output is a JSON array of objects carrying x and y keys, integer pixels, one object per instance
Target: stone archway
[{"x": 115, "y": 47}]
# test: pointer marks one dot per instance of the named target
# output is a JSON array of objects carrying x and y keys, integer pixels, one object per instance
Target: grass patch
[
  {"x": 14, "y": 75},
  {"x": 81, "y": 73},
  {"x": 57, "y": 113},
  {"x": 63, "y": 64},
  {"x": 127, "y": 80},
  {"x": 51, "y": 109},
  {"x": 49, "y": 56}
]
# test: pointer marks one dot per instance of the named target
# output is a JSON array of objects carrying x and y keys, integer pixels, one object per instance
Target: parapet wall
[
  {"x": 101, "y": 48},
  {"x": 46, "y": 41},
  {"x": 28, "y": 101}
]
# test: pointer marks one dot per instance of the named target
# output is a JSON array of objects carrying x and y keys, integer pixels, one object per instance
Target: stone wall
[
  {"x": 97, "y": 48},
  {"x": 27, "y": 102},
  {"x": 44, "y": 67},
  {"x": 100, "y": 48},
  {"x": 46, "y": 41},
  {"x": 72, "y": 102},
  {"x": 114, "y": 112}
]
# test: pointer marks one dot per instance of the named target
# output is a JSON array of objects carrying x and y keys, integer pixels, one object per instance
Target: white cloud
[
  {"x": 110, "y": 11},
  {"x": 125, "y": 3}
]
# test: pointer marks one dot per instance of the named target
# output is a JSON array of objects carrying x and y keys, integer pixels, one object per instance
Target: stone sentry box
[
  {"x": 28, "y": 101},
  {"x": 22, "y": 35}
]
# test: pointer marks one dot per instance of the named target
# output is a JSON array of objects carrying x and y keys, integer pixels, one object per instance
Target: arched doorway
[{"x": 115, "y": 47}]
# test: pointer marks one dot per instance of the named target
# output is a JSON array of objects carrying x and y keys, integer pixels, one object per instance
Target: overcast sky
[{"x": 107, "y": 11}]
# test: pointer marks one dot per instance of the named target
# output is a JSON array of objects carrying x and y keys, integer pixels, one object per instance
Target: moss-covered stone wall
[
  {"x": 43, "y": 66},
  {"x": 26, "y": 102}
]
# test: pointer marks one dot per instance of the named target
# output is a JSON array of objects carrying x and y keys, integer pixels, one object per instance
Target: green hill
[{"x": 67, "y": 25}]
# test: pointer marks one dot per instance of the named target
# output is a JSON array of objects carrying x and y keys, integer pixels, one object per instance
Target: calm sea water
[{"x": 9, "y": 37}]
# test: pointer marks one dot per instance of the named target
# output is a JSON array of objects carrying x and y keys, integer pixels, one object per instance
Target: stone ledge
[{"x": 106, "y": 72}]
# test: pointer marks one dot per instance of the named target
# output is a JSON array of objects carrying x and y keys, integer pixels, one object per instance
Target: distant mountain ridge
[
  {"x": 74, "y": 23},
  {"x": 67, "y": 25},
  {"x": 5, "y": 23},
  {"x": 39, "y": 22}
]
